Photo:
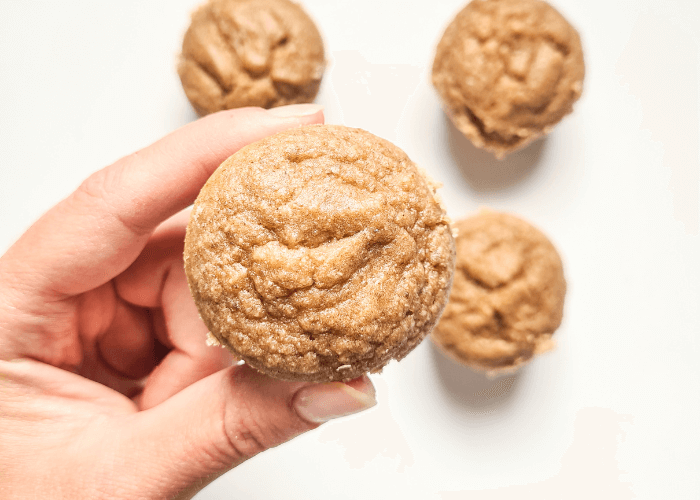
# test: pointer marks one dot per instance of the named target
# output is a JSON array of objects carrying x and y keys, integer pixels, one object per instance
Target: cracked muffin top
[
  {"x": 508, "y": 294},
  {"x": 507, "y": 71},
  {"x": 320, "y": 253},
  {"x": 239, "y": 53}
]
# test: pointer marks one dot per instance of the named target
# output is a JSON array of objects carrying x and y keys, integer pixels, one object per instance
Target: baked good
[
  {"x": 507, "y": 71},
  {"x": 250, "y": 53},
  {"x": 319, "y": 254},
  {"x": 508, "y": 294}
]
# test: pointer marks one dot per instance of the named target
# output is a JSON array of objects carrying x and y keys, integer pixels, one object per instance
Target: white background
[{"x": 614, "y": 412}]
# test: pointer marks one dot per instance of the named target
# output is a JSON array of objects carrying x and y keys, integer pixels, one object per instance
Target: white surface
[{"x": 614, "y": 411}]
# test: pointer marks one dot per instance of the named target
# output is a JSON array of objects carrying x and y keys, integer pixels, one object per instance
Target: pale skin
[{"x": 107, "y": 387}]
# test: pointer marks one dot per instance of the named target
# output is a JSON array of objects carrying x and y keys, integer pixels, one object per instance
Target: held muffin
[
  {"x": 507, "y": 71},
  {"x": 508, "y": 294},
  {"x": 250, "y": 53},
  {"x": 318, "y": 254}
]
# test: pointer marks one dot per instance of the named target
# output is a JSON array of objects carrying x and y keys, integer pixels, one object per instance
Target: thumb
[{"x": 217, "y": 423}]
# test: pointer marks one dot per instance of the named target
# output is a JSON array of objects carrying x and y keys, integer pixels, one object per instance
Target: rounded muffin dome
[
  {"x": 239, "y": 53},
  {"x": 507, "y": 71},
  {"x": 508, "y": 294},
  {"x": 320, "y": 253}
]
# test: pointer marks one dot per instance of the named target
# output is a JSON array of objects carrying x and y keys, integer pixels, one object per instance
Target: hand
[{"x": 107, "y": 388}]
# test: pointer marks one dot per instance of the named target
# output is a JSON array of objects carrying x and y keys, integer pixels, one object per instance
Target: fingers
[
  {"x": 157, "y": 280},
  {"x": 143, "y": 283},
  {"x": 231, "y": 416},
  {"x": 100, "y": 229},
  {"x": 128, "y": 346},
  {"x": 117, "y": 346},
  {"x": 190, "y": 359}
]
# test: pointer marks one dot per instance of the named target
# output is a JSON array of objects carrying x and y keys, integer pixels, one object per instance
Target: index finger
[{"x": 101, "y": 228}]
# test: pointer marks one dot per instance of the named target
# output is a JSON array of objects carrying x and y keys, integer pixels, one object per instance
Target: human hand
[{"x": 107, "y": 388}]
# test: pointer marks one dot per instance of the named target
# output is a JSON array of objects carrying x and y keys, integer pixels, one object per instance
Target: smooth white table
[{"x": 614, "y": 412}]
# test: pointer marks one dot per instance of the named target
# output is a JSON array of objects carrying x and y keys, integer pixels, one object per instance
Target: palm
[{"x": 107, "y": 353}]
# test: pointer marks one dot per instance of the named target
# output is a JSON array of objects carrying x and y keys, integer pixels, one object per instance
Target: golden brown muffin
[
  {"x": 507, "y": 71},
  {"x": 508, "y": 294},
  {"x": 250, "y": 53},
  {"x": 320, "y": 253}
]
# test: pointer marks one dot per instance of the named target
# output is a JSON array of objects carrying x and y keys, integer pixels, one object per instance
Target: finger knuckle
[
  {"x": 107, "y": 192},
  {"x": 245, "y": 438},
  {"x": 98, "y": 187}
]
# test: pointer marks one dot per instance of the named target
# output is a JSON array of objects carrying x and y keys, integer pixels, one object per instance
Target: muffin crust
[
  {"x": 250, "y": 53},
  {"x": 508, "y": 294},
  {"x": 320, "y": 253},
  {"x": 507, "y": 71}
]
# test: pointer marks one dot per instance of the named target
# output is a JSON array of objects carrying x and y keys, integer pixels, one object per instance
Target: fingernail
[
  {"x": 363, "y": 384},
  {"x": 293, "y": 110},
  {"x": 323, "y": 402}
]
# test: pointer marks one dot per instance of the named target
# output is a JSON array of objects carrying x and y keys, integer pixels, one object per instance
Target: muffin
[
  {"x": 250, "y": 53},
  {"x": 507, "y": 71},
  {"x": 319, "y": 254},
  {"x": 508, "y": 294}
]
